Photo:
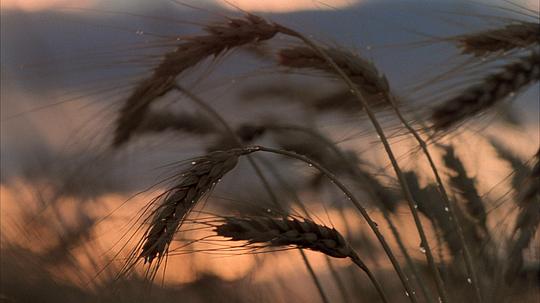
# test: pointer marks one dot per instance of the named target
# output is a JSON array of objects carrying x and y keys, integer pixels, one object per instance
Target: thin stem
[
  {"x": 371, "y": 277},
  {"x": 408, "y": 196},
  {"x": 340, "y": 284},
  {"x": 259, "y": 173},
  {"x": 335, "y": 274},
  {"x": 454, "y": 219},
  {"x": 408, "y": 258},
  {"x": 354, "y": 171},
  {"x": 312, "y": 273},
  {"x": 355, "y": 202}
]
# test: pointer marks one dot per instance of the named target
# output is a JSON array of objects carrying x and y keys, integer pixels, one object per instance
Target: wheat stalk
[
  {"x": 336, "y": 64},
  {"x": 527, "y": 221},
  {"x": 304, "y": 234},
  {"x": 493, "y": 89},
  {"x": 500, "y": 40},
  {"x": 219, "y": 39},
  {"x": 178, "y": 201}
]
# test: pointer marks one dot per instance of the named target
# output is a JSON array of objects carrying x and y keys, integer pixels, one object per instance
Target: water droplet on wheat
[{"x": 469, "y": 280}]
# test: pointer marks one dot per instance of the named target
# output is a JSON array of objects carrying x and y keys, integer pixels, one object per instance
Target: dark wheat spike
[
  {"x": 466, "y": 186},
  {"x": 493, "y": 89},
  {"x": 156, "y": 122},
  {"x": 176, "y": 204},
  {"x": 362, "y": 72},
  {"x": 219, "y": 39},
  {"x": 519, "y": 167},
  {"x": 527, "y": 221},
  {"x": 286, "y": 232},
  {"x": 500, "y": 40},
  {"x": 429, "y": 203}
]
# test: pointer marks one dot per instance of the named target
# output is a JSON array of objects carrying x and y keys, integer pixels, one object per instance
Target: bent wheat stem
[
  {"x": 412, "y": 205},
  {"x": 374, "y": 227},
  {"x": 230, "y": 132}
]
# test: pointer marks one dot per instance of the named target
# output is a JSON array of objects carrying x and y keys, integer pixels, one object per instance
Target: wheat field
[{"x": 270, "y": 151}]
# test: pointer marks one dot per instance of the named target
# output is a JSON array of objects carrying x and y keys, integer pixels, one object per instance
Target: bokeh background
[{"x": 66, "y": 203}]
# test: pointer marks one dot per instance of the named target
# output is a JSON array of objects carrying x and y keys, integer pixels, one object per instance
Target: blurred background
[{"x": 69, "y": 203}]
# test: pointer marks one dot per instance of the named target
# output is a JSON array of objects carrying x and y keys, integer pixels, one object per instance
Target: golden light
[
  {"x": 248, "y": 5},
  {"x": 288, "y": 5},
  {"x": 38, "y": 5}
]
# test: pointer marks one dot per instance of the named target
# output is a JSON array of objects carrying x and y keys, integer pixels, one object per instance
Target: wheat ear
[
  {"x": 178, "y": 201},
  {"x": 305, "y": 234},
  {"x": 358, "y": 92},
  {"x": 500, "y": 40},
  {"x": 493, "y": 89},
  {"x": 527, "y": 221},
  {"x": 466, "y": 186},
  {"x": 219, "y": 38},
  {"x": 362, "y": 72},
  {"x": 238, "y": 142}
]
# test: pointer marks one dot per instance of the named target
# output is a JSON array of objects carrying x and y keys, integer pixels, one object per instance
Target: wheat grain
[
  {"x": 304, "y": 234},
  {"x": 286, "y": 232},
  {"x": 493, "y": 89}
]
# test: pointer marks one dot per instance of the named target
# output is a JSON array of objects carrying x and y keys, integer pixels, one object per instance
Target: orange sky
[{"x": 249, "y": 5}]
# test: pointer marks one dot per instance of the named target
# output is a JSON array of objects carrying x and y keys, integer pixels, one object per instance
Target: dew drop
[
  {"x": 422, "y": 250},
  {"x": 268, "y": 210},
  {"x": 310, "y": 165},
  {"x": 469, "y": 280},
  {"x": 446, "y": 209},
  {"x": 416, "y": 206},
  {"x": 407, "y": 294}
]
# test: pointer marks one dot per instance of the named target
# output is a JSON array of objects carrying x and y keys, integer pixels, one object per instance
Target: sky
[
  {"x": 249, "y": 5},
  {"x": 46, "y": 136}
]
